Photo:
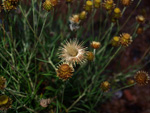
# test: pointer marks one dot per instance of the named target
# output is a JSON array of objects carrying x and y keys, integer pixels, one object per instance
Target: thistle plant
[{"x": 53, "y": 59}]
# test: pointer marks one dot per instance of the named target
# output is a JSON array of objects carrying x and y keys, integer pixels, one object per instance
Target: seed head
[
  {"x": 105, "y": 86},
  {"x": 72, "y": 52},
  {"x": 65, "y": 71},
  {"x": 125, "y": 39},
  {"x": 141, "y": 77}
]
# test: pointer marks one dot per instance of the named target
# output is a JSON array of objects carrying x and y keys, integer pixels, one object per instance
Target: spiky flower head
[
  {"x": 141, "y": 77},
  {"x": 65, "y": 71},
  {"x": 95, "y": 44},
  {"x": 115, "y": 41},
  {"x": 2, "y": 83},
  {"x": 47, "y": 5},
  {"x": 126, "y": 2},
  {"x": 72, "y": 52},
  {"x": 5, "y": 102},
  {"x": 140, "y": 19},
  {"x": 109, "y": 4},
  {"x": 105, "y": 86},
  {"x": 125, "y": 39}
]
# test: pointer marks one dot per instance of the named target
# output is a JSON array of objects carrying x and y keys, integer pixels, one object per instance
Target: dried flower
[
  {"x": 97, "y": 3},
  {"x": 65, "y": 71},
  {"x": 139, "y": 30},
  {"x": 88, "y": 6},
  {"x": 125, "y": 39},
  {"x": 8, "y": 5},
  {"x": 47, "y": 5},
  {"x": 45, "y": 102},
  {"x": 126, "y": 2},
  {"x": 54, "y": 2},
  {"x": 83, "y": 15},
  {"x": 141, "y": 77},
  {"x": 2, "y": 83},
  {"x": 90, "y": 56},
  {"x": 105, "y": 86},
  {"x": 5, "y": 102},
  {"x": 72, "y": 52},
  {"x": 74, "y": 22},
  {"x": 95, "y": 45},
  {"x": 140, "y": 19},
  {"x": 115, "y": 41},
  {"x": 109, "y": 4}
]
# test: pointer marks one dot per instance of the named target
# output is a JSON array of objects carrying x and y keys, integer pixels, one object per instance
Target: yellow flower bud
[
  {"x": 83, "y": 15},
  {"x": 115, "y": 41},
  {"x": 97, "y": 3},
  {"x": 88, "y": 5}
]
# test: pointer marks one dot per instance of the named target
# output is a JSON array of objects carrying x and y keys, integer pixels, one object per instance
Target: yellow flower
[
  {"x": 140, "y": 19},
  {"x": 115, "y": 41},
  {"x": 88, "y": 6},
  {"x": 105, "y": 86},
  {"x": 72, "y": 52},
  {"x": 109, "y": 4},
  {"x": 65, "y": 71},
  {"x": 117, "y": 13},
  {"x": 125, "y": 39},
  {"x": 83, "y": 15},
  {"x": 97, "y": 3},
  {"x": 47, "y": 5},
  {"x": 95, "y": 45},
  {"x": 90, "y": 56},
  {"x": 5, "y": 102}
]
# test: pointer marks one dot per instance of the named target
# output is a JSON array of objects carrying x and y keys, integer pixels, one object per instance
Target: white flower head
[{"x": 72, "y": 52}]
